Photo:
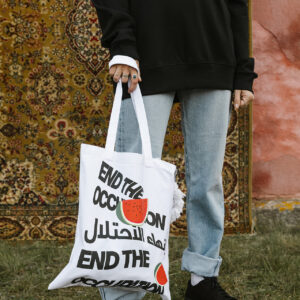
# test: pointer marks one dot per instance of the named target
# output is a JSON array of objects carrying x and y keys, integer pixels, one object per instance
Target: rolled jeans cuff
[{"x": 199, "y": 264}]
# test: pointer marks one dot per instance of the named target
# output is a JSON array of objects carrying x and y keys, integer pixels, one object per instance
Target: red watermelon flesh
[
  {"x": 133, "y": 211},
  {"x": 160, "y": 274}
]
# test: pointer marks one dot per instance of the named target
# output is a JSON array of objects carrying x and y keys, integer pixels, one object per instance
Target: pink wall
[{"x": 276, "y": 107}]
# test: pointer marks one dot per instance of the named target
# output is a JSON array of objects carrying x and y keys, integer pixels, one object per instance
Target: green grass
[{"x": 263, "y": 266}]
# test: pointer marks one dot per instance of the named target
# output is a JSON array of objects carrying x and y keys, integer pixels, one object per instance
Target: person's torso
[{"x": 182, "y": 32}]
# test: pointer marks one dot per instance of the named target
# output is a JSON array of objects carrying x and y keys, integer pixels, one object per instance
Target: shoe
[{"x": 207, "y": 289}]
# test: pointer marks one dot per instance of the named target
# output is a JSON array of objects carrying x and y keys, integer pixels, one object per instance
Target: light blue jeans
[{"x": 205, "y": 116}]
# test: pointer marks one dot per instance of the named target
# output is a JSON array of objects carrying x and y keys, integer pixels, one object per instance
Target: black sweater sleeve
[
  {"x": 117, "y": 26},
  {"x": 244, "y": 74}
]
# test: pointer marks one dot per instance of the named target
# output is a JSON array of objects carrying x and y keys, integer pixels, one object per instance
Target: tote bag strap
[
  {"x": 140, "y": 112},
  {"x": 127, "y": 60}
]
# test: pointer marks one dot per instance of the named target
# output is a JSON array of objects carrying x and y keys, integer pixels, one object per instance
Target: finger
[
  {"x": 246, "y": 97},
  {"x": 125, "y": 74},
  {"x": 118, "y": 73},
  {"x": 139, "y": 72},
  {"x": 243, "y": 100},
  {"x": 134, "y": 80},
  {"x": 112, "y": 70},
  {"x": 237, "y": 99}
]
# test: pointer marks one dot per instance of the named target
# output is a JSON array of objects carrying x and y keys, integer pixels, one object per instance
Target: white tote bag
[{"x": 126, "y": 204}]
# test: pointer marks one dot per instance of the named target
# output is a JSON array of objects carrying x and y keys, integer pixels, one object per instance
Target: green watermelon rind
[
  {"x": 120, "y": 213},
  {"x": 155, "y": 273},
  {"x": 123, "y": 219}
]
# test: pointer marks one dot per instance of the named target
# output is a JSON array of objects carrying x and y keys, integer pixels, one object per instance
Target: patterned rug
[{"x": 56, "y": 93}]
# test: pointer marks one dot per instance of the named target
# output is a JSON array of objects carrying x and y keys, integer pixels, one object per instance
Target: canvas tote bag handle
[{"x": 140, "y": 112}]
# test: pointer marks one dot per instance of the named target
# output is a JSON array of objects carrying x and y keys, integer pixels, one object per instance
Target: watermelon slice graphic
[
  {"x": 160, "y": 274},
  {"x": 133, "y": 211}
]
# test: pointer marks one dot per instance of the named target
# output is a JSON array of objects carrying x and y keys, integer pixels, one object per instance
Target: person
[{"x": 196, "y": 53}]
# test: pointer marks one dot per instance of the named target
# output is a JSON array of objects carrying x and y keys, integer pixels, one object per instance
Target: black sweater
[{"x": 180, "y": 44}]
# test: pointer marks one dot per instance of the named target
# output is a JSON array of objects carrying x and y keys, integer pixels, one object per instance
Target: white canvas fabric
[{"x": 126, "y": 204}]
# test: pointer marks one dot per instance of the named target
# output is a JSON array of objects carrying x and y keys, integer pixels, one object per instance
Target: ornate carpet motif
[{"x": 56, "y": 93}]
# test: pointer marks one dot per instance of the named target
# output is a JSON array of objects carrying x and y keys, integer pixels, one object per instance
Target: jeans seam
[
  {"x": 187, "y": 168},
  {"x": 230, "y": 111}
]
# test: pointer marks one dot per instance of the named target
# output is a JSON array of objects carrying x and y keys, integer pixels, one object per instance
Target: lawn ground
[{"x": 261, "y": 266}]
